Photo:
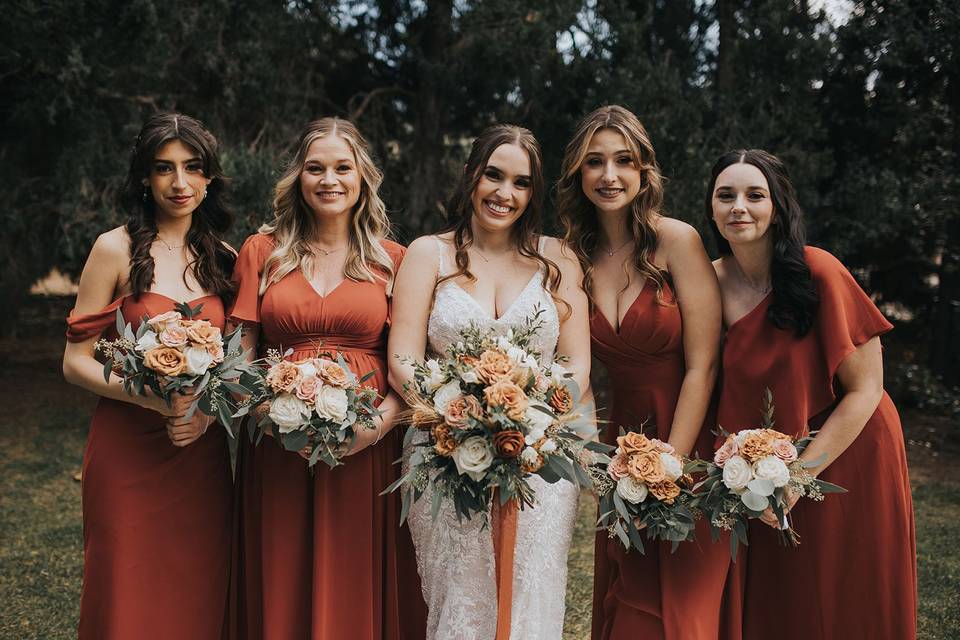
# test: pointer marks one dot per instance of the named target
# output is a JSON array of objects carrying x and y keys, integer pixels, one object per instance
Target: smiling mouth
[
  {"x": 610, "y": 192},
  {"x": 329, "y": 195},
  {"x": 180, "y": 199},
  {"x": 498, "y": 209}
]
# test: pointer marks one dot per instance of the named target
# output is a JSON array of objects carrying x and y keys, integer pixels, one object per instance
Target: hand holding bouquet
[
  {"x": 176, "y": 352},
  {"x": 752, "y": 472},
  {"x": 316, "y": 402}
]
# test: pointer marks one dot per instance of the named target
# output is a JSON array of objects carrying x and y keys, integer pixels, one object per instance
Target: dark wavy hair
[
  {"x": 212, "y": 262},
  {"x": 526, "y": 230},
  {"x": 795, "y": 298}
]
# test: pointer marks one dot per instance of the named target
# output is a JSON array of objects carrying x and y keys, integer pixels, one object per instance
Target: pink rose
[
  {"x": 173, "y": 336},
  {"x": 159, "y": 322},
  {"x": 216, "y": 350},
  {"x": 785, "y": 450},
  {"x": 307, "y": 389},
  {"x": 727, "y": 451},
  {"x": 617, "y": 468},
  {"x": 664, "y": 447}
]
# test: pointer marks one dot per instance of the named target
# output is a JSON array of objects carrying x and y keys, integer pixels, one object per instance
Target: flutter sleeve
[
  {"x": 83, "y": 326},
  {"x": 847, "y": 317},
  {"x": 396, "y": 252},
  {"x": 246, "y": 273}
]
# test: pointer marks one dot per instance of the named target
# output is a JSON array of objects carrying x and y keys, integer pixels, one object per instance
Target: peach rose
[
  {"x": 216, "y": 350},
  {"x": 509, "y": 444},
  {"x": 646, "y": 466},
  {"x": 618, "y": 467},
  {"x": 166, "y": 361},
  {"x": 459, "y": 409},
  {"x": 159, "y": 322},
  {"x": 634, "y": 442},
  {"x": 173, "y": 336},
  {"x": 494, "y": 366},
  {"x": 203, "y": 333},
  {"x": 663, "y": 447},
  {"x": 665, "y": 491},
  {"x": 307, "y": 389},
  {"x": 444, "y": 442},
  {"x": 333, "y": 374},
  {"x": 283, "y": 377},
  {"x": 756, "y": 446},
  {"x": 785, "y": 450},
  {"x": 509, "y": 396},
  {"x": 561, "y": 400},
  {"x": 725, "y": 452}
]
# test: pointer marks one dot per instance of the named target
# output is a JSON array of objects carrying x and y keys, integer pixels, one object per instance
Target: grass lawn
[{"x": 42, "y": 436}]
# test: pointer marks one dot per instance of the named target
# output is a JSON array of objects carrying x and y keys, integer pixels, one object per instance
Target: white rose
[
  {"x": 307, "y": 370},
  {"x": 331, "y": 403},
  {"x": 198, "y": 360},
  {"x": 773, "y": 469},
  {"x": 288, "y": 412},
  {"x": 557, "y": 370},
  {"x": 671, "y": 466},
  {"x": 539, "y": 422},
  {"x": 632, "y": 490},
  {"x": 473, "y": 457},
  {"x": 737, "y": 473},
  {"x": 529, "y": 456},
  {"x": 445, "y": 395},
  {"x": 549, "y": 446},
  {"x": 470, "y": 377},
  {"x": 148, "y": 341},
  {"x": 436, "y": 376}
]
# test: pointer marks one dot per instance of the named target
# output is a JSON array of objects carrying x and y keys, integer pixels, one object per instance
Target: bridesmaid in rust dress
[
  {"x": 798, "y": 323},
  {"x": 655, "y": 325},
  {"x": 156, "y": 487},
  {"x": 322, "y": 555}
]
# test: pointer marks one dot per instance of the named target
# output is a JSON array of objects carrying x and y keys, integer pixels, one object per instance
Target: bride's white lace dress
[{"x": 456, "y": 560}]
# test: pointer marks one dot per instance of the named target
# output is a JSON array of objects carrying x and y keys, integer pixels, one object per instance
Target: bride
[{"x": 492, "y": 268}]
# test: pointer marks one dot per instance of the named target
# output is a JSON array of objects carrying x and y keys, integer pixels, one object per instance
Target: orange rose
[
  {"x": 509, "y": 444},
  {"x": 509, "y": 396},
  {"x": 665, "y": 491},
  {"x": 166, "y": 361},
  {"x": 561, "y": 400},
  {"x": 646, "y": 467},
  {"x": 333, "y": 374},
  {"x": 633, "y": 442},
  {"x": 201, "y": 332},
  {"x": 444, "y": 443},
  {"x": 459, "y": 409},
  {"x": 493, "y": 366},
  {"x": 283, "y": 377},
  {"x": 756, "y": 446}
]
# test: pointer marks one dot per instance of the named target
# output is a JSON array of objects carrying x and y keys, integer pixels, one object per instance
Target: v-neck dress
[
  {"x": 321, "y": 556},
  {"x": 659, "y": 594},
  {"x": 156, "y": 517},
  {"x": 854, "y": 573}
]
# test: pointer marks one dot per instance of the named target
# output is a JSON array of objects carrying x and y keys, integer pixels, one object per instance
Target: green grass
[{"x": 42, "y": 436}]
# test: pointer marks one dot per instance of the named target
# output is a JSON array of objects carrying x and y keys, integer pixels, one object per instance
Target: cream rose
[
  {"x": 737, "y": 473},
  {"x": 672, "y": 466},
  {"x": 307, "y": 368},
  {"x": 159, "y": 322},
  {"x": 473, "y": 457},
  {"x": 331, "y": 403},
  {"x": 445, "y": 395},
  {"x": 773, "y": 469},
  {"x": 198, "y": 360},
  {"x": 147, "y": 341},
  {"x": 631, "y": 490},
  {"x": 288, "y": 412}
]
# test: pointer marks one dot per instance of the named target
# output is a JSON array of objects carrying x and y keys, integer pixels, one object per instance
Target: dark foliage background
[{"x": 862, "y": 106}]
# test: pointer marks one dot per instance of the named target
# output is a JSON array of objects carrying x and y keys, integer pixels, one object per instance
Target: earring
[{"x": 145, "y": 190}]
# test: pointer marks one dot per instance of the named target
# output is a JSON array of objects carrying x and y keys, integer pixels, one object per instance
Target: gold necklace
[
  {"x": 485, "y": 258},
  {"x": 617, "y": 250},
  {"x": 327, "y": 252},
  {"x": 168, "y": 245}
]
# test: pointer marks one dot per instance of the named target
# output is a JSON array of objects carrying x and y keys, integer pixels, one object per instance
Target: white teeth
[
  {"x": 498, "y": 208},
  {"x": 609, "y": 192}
]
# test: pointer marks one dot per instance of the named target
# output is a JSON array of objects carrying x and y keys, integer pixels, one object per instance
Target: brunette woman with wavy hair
[
  {"x": 156, "y": 485},
  {"x": 799, "y": 324},
  {"x": 321, "y": 553},
  {"x": 655, "y": 325},
  {"x": 492, "y": 268}
]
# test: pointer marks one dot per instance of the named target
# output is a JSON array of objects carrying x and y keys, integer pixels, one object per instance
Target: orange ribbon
[{"x": 504, "y": 545}]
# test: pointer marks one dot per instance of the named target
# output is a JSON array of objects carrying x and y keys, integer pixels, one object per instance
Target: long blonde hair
[
  {"x": 578, "y": 215},
  {"x": 294, "y": 224}
]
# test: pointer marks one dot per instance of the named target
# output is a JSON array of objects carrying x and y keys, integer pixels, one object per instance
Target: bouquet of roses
[
  {"x": 644, "y": 487},
  {"x": 752, "y": 472},
  {"x": 316, "y": 401},
  {"x": 491, "y": 416},
  {"x": 173, "y": 351}
]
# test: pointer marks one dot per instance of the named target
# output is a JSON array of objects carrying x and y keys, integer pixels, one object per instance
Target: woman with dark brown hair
[
  {"x": 492, "y": 268},
  {"x": 156, "y": 485},
  {"x": 655, "y": 325}
]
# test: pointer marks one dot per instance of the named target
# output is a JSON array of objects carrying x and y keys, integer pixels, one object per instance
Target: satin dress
[
  {"x": 659, "y": 594},
  {"x": 321, "y": 556},
  {"x": 854, "y": 573},
  {"x": 156, "y": 518}
]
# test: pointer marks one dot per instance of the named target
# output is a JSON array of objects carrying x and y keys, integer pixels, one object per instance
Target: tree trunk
[{"x": 945, "y": 337}]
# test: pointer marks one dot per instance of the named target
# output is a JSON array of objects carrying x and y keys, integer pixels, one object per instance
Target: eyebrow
[
  {"x": 498, "y": 169},
  {"x": 334, "y": 162},
  {"x": 194, "y": 159},
  {"x": 597, "y": 153},
  {"x": 727, "y": 186}
]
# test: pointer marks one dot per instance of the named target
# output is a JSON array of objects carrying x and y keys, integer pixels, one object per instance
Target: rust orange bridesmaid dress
[
  {"x": 321, "y": 556},
  {"x": 156, "y": 518},
  {"x": 854, "y": 573},
  {"x": 659, "y": 594}
]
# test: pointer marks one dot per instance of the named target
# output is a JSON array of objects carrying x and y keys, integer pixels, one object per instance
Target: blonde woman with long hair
[
  {"x": 655, "y": 324},
  {"x": 318, "y": 552}
]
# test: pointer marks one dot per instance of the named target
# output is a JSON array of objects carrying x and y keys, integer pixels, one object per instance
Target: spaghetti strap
[
  {"x": 440, "y": 269},
  {"x": 540, "y": 244}
]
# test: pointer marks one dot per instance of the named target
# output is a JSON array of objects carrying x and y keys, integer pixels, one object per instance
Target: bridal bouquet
[
  {"x": 173, "y": 351},
  {"x": 492, "y": 416},
  {"x": 317, "y": 402},
  {"x": 752, "y": 472},
  {"x": 643, "y": 486}
]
